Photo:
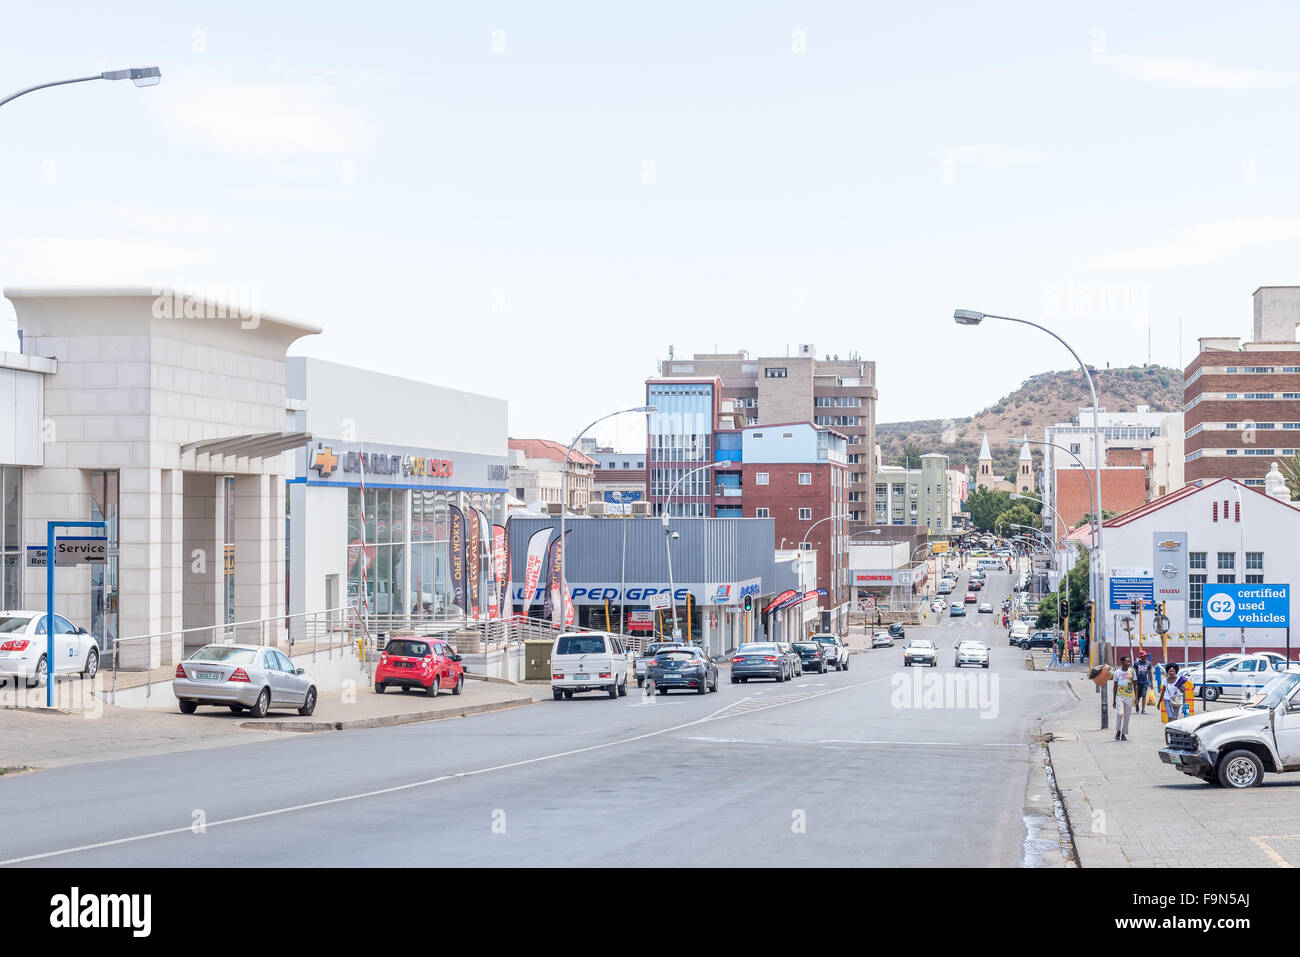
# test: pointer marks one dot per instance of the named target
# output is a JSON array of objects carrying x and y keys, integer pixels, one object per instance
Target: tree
[
  {"x": 1018, "y": 514},
  {"x": 1106, "y": 515},
  {"x": 1079, "y": 581},
  {"x": 985, "y": 505},
  {"x": 1290, "y": 469},
  {"x": 910, "y": 457}
]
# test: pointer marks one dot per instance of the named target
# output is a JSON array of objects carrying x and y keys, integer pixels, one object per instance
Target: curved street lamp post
[{"x": 668, "y": 533}]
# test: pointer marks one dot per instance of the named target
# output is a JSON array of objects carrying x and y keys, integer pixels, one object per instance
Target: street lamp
[
  {"x": 140, "y": 76},
  {"x": 802, "y": 589},
  {"x": 970, "y": 317},
  {"x": 564, "y": 494},
  {"x": 668, "y": 534}
]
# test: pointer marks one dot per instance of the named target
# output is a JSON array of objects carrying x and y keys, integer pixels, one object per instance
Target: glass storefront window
[
  {"x": 103, "y": 578},
  {"x": 11, "y": 537}
]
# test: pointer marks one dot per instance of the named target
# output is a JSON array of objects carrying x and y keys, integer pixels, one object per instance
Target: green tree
[
  {"x": 1290, "y": 469},
  {"x": 910, "y": 457},
  {"x": 1079, "y": 581},
  {"x": 1017, "y": 514},
  {"x": 1106, "y": 515},
  {"x": 985, "y": 505}
]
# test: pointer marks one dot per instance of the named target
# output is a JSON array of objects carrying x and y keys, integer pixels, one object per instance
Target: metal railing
[{"x": 326, "y": 630}]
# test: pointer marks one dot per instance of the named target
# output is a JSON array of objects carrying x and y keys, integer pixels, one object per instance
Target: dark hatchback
[
  {"x": 896, "y": 630},
  {"x": 760, "y": 660},
  {"x": 812, "y": 654},
  {"x": 682, "y": 668}
]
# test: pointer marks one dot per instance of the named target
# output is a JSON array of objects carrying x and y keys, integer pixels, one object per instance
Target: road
[{"x": 871, "y": 766}]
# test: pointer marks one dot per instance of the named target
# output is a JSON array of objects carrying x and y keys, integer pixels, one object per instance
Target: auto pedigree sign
[
  {"x": 1169, "y": 565},
  {"x": 1247, "y": 606},
  {"x": 331, "y": 462}
]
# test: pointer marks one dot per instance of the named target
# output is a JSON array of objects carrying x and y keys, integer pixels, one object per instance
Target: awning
[{"x": 258, "y": 445}]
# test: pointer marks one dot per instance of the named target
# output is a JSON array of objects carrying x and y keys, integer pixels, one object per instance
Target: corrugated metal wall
[{"x": 708, "y": 549}]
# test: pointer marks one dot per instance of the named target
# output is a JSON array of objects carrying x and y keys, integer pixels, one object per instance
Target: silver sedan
[{"x": 252, "y": 677}]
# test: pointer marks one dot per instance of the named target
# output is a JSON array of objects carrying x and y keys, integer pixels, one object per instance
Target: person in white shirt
[{"x": 1121, "y": 698}]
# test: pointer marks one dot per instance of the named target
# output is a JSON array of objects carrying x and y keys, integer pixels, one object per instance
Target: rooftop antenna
[{"x": 670, "y": 353}]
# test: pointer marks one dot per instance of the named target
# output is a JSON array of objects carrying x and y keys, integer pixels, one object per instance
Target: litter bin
[{"x": 537, "y": 659}]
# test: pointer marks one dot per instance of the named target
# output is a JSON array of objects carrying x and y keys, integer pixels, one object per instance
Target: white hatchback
[{"x": 24, "y": 647}]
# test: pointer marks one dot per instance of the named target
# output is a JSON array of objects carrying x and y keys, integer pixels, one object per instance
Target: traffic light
[
  {"x": 1063, "y": 610},
  {"x": 1136, "y": 606},
  {"x": 1087, "y": 609},
  {"x": 749, "y": 603}
]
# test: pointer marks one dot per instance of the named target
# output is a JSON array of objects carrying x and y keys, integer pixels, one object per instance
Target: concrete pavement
[{"x": 1129, "y": 809}]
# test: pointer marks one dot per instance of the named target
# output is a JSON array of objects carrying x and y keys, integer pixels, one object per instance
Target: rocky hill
[{"x": 1040, "y": 401}]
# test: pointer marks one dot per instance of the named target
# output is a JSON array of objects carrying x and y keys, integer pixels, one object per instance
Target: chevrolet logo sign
[
  {"x": 325, "y": 462},
  {"x": 1170, "y": 544}
]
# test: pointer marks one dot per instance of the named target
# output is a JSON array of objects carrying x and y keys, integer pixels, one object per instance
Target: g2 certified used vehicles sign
[{"x": 1247, "y": 606}]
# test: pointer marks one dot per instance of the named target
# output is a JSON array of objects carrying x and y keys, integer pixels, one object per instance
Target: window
[
  {"x": 805, "y": 478},
  {"x": 1227, "y": 560},
  {"x": 1256, "y": 579},
  {"x": 774, "y": 373},
  {"x": 757, "y": 435},
  {"x": 1227, "y": 579},
  {"x": 11, "y": 537},
  {"x": 1255, "y": 561},
  {"x": 1075, "y": 447},
  {"x": 103, "y": 578},
  {"x": 787, "y": 435},
  {"x": 806, "y": 546},
  {"x": 761, "y": 513},
  {"x": 760, "y": 478},
  {"x": 805, "y": 514},
  {"x": 1196, "y": 559}
]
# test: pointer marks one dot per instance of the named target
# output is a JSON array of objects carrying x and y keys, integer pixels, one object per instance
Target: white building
[
  {"x": 430, "y": 458},
  {"x": 1151, "y": 440},
  {"x": 1235, "y": 534},
  {"x": 162, "y": 415}
]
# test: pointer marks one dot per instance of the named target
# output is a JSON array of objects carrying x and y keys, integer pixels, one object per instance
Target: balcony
[{"x": 726, "y": 491}]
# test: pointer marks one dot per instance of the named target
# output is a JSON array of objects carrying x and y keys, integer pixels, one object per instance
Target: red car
[
  {"x": 426, "y": 663},
  {"x": 971, "y": 598}
]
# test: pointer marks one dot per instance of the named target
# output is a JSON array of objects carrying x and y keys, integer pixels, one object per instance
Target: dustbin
[{"x": 537, "y": 659}]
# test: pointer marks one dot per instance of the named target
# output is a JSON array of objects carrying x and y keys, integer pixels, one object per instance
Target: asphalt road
[{"x": 872, "y": 766}]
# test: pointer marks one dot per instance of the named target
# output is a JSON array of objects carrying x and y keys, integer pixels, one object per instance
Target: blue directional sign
[{"x": 1247, "y": 606}]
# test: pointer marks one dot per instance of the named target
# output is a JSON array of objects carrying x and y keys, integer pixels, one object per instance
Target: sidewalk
[
  {"x": 95, "y": 731},
  {"x": 1128, "y": 809}
]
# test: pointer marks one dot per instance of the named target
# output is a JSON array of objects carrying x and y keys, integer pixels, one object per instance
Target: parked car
[
  {"x": 429, "y": 664},
  {"x": 812, "y": 654},
  {"x": 24, "y": 648},
  {"x": 1234, "y": 747},
  {"x": 971, "y": 653},
  {"x": 986, "y": 608},
  {"x": 1240, "y": 678},
  {"x": 1039, "y": 639},
  {"x": 1017, "y": 632},
  {"x": 760, "y": 660},
  {"x": 641, "y": 661},
  {"x": 682, "y": 667},
  {"x": 589, "y": 661},
  {"x": 838, "y": 651},
  {"x": 957, "y": 611},
  {"x": 239, "y": 677},
  {"x": 938, "y": 605},
  {"x": 796, "y": 662},
  {"x": 896, "y": 630},
  {"x": 919, "y": 651}
]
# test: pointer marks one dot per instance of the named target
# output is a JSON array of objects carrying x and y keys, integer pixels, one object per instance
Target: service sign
[
  {"x": 1247, "y": 606},
  {"x": 1169, "y": 565}
]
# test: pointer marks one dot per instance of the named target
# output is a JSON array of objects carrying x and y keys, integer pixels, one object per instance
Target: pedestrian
[
  {"x": 1074, "y": 647},
  {"x": 1174, "y": 694},
  {"x": 1141, "y": 681},
  {"x": 1056, "y": 655},
  {"x": 1121, "y": 698}
]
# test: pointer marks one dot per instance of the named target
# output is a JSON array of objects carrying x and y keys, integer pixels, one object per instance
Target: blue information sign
[
  {"x": 1247, "y": 606},
  {"x": 1124, "y": 590}
]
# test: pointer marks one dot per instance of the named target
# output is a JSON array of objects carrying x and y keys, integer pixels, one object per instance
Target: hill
[{"x": 1040, "y": 401}]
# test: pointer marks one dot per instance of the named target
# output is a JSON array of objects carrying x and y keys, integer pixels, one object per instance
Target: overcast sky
[{"x": 535, "y": 200}]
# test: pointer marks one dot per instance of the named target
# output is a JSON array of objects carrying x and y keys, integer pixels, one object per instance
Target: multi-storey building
[
  {"x": 833, "y": 393},
  {"x": 797, "y": 474},
  {"x": 1242, "y": 400},
  {"x": 619, "y": 479},
  {"x": 927, "y": 497},
  {"x": 1152, "y": 441},
  {"x": 682, "y": 442},
  {"x": 537, "y": 474}
]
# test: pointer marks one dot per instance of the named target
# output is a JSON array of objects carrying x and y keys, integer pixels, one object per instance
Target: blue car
[{"x": 957, "y": 611}]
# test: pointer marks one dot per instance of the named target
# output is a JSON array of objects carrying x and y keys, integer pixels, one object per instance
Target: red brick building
[
  {"x": 797, "y": 475},
  {"x": 1123, "y": 489}
]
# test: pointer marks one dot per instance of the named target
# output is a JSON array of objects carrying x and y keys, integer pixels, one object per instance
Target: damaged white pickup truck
[{"x": 1235, "y": 746}]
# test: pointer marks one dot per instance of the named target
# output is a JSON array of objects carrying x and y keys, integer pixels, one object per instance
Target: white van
[{"x": 589, "y": 661}]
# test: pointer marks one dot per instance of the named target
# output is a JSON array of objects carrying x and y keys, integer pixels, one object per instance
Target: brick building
[
  {"x": 1123, "y": 489},
  {"x": 1242, "y": 400},
  {"x": 833, "y": 393},
  {"x": 797, "y": 475}
]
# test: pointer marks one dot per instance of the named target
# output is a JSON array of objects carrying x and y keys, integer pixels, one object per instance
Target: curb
[{"x": 388, "y": 720}]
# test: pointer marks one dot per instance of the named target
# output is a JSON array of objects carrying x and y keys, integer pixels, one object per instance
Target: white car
[
  {"x": 971, "y": 653},
  {"x": 1241, "y": 678},
  {"x": 24, "y": 647},
  {"x": 882, "y": 639},
  {"x": 920, "y": 652},
  {"x": 589, "y": 661},
  {"x": 837, "y": 652},
  {"x": 1019, "y": 630},
  {"x": 986, "y": 608},
  {"x": 938, "y": 605}
]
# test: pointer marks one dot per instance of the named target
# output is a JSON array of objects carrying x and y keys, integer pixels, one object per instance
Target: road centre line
[{"x": 275, "y": 812}]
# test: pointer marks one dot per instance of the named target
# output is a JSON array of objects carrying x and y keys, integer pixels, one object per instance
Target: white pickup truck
[{"x": 1235, "y": 746}]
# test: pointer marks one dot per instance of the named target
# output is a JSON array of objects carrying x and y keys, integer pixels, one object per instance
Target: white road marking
[{"x": 275, "y": 812}]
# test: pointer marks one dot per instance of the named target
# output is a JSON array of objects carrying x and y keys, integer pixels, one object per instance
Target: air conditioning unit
[
  {"x": 596, "y": 507},
  {"x": 640, "y": 509}
]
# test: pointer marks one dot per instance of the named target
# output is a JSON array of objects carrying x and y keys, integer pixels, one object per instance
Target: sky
[{"x": 536, "y": 201}]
